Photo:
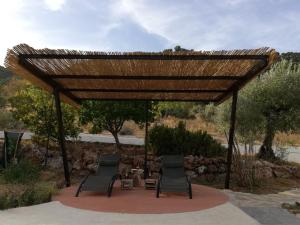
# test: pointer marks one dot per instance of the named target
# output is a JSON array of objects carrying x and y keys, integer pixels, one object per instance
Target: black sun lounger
[
  {"x": 105, "y": 176},
  {"x": 173, "y": 177}
]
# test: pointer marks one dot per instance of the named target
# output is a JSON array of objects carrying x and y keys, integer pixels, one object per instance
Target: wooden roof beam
[
  {"x": 143, "y": 90},
  {"x": 42, "y": 76},
  {"x": 143, "y": 77},
  {"x": 143, "y": 57}
]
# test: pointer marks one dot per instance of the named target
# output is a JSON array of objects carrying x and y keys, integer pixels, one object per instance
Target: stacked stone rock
[{"x": 83, "y": 158}]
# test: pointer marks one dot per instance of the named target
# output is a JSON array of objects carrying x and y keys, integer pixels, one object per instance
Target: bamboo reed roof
[{"x": 208, "y": 76}]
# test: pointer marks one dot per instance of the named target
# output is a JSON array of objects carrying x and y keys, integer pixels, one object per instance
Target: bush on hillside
[
  {"x": 182, "y": 110},
  {"x": 178, "y": 140}
]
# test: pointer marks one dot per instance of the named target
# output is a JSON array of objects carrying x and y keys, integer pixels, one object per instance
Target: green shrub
[
  {"x": 22, "y": 173},
  {"x": 37, "y": 194},
  {"x": 181, "y": 110},
  {"x": 178, "y": 140},
  {"x": 8, "y": 201},
  {"x": 32, "y": 194}
]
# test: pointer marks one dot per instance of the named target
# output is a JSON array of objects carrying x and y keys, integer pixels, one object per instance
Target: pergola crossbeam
[
  {"x": 153, "y": 99},
  {"x": 162, "y": 56},
  {"x": 41, "y": 75},
  {"x": 144, "y": 77},
  {"x": 143, "y": 90}
]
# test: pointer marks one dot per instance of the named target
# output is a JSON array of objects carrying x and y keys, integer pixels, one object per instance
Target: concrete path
[
  {"x": 242, "y": 199},
  {"x": 272, "y": 216},
  {"x": 54, "y": 213},
  {"x": 266, "y": 209}
]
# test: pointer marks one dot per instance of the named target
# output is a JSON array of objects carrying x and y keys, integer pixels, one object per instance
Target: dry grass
[
  {"x": 290, "y": 139},
  {"x": 191, "y": 124},
  {"x": 268, "y": 186}
]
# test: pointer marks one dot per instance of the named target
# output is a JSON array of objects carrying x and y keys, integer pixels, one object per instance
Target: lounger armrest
[
  {"x": 189, "y": 179},
  {"x": 85, "y": 178},
  {"x": 115, "y": 177}
]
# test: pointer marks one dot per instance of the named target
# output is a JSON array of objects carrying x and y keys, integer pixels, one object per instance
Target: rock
[
  {"x": 157, "y": 159},
  {"x": 212, "y": 169},
  {"x": 89, "y": 157},
  {"x": 201, "y": 170},
  {"x": 92, "y": 167},
  {"x": 77, "y": 165},
  {"x": 126, "y": 159},
  {"x": 196, "y": 161},
  {"x": 281, "y": 172},
  {"x": 189, "y": 166},
  {"x": 267, "y": 164},
  {"x": 55, "y": 163},
  {"x": 138, "y": 162},
  {"x": 258, "y": 163},
  {"x": 150, "y": 157},
  {"x": 60, "y": 183},
  {"x": 154, "y": 166},
  {"x": 189, "y": 159},
  {"x": 124, "y": 169},
  {"x": 205, "y": 161},
  {"x": 265, "y": 172},
  {"x": 83, "y": 173},
  {"x": 154, "y": 175},
  {"x": 191, "y": 173},
  {"x": 222, "y": 168},
  {"x": 296, "y": 173}
]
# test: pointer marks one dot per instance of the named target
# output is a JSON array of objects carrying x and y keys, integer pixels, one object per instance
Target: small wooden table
[
  {"x": 150, "y": 184},
  {"x": 127, "y": 184}
]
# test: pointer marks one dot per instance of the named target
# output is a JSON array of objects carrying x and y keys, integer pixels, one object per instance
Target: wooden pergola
[{"x": 74, "y": 76}]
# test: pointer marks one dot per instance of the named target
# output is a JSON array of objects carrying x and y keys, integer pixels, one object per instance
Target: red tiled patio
[{"x": 141, "y": 201}]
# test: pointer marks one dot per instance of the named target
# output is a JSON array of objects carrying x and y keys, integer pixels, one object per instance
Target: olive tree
[
  {"x": 268, "y": 105},
  {"x": 111, "y": 115}
]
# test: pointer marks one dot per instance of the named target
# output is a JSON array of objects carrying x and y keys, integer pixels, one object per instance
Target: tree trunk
[
  {"x": 115, "y": 135},
  {"x": 266, "y": 152}
]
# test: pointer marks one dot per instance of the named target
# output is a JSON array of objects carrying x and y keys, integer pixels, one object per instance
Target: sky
[{"x": 150, "y": 25}]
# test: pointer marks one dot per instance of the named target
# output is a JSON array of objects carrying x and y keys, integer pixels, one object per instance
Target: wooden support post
[
  {"x": 146, "y": 172},
  {"x": 61, "y": 136},
  {"x": 231, "y": 137}
]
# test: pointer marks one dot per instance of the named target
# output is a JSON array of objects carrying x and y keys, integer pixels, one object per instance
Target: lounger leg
[
  {"x": 158, "y": 189},
  {"x": 78, "y": 191},
  {"x": 80, "y": 186},
  {"x": 190, "y": 191},
  {"x": 110, "y": 187}
]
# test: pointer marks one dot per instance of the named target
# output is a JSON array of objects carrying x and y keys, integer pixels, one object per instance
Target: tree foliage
[
  {"x": 111, "y": 115},
  {"x": 292, "y": 56},
  {"x": 177, "y": 48},
  {"x": 268, "y": 105},
  {"x": 36, "y": 109},
  {"x": 6, "y": 119}
]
